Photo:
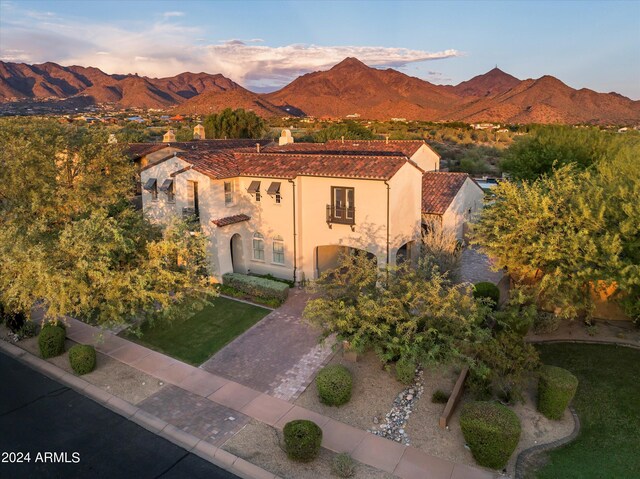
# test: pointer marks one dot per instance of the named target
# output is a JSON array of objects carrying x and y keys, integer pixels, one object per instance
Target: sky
[{"x": 263, "y": 45}]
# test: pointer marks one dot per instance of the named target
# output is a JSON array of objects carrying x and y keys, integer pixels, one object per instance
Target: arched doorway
[
  {"x": 237, "y": 254},
  {"x": 405, "y": 253}
]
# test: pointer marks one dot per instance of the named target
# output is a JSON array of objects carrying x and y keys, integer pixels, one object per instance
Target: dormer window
[
  {"x": 254, "y": 189},
  {"x": 152, "y": 186}
]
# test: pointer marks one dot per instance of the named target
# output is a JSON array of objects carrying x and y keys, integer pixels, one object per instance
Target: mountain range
[{"x": 348, "y": 88}]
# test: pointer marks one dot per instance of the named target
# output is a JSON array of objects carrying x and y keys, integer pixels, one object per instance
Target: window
[
  {"x": 167, "y": 188},
  {"x": 258, "y": 247},
  {"x": 192, "y": 208},
  {"x": 274, "y": 190},
  {"x": 342, "y": 208},
  {"x": 228, "y": 193},
  {"x": 278, "y": 250},
  {"x": 254, "y": 189},
  {"x": 152, "y": 187}
]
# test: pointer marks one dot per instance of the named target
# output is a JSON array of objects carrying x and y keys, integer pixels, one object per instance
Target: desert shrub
[
  {"x": 257, "y": 287},
  {"x": 485, "y": 289},
  {"x": 556, "y": 388},
  {"x": 28, "y": 330},
  {"x": 15, "y": 321},
  {"x": 492, "y": 432},
  {"x": 302, "y": 439},
  {"x": 546, "y": 322},
  {"x": 440, "y": 397},
  {"x": 334, "y": 385},
  {"x": 51, "y": 340},
  {"x": 343, "y": 465},
  {"x": 82, "y": 358},
  {"x": 405, "y": 370}
]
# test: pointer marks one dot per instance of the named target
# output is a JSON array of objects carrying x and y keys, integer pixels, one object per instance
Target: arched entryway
[
  {"x": 327, "y": 257},
  {"x": 237, "y": 254},
  {"x": 405, "y": 253}
]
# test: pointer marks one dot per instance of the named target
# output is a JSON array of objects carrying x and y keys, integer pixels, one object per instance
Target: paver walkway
[
  {"x": 403, "y": 461},
  {"x": 476, "y": 267},
  {"x": 278, "y": 356}
]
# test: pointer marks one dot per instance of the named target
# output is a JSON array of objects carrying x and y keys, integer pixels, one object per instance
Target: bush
[
  {"x": 15, "y": 321},
  {"x": 302, "y": 440},
  {"x": 334, "y": 385},
  {"x": 440, "y": 397},
  {"x": 234, "y": 293},
  {"x": 343, "y": 465},
  {"x": 546, "y": 323},
  {"x": 28, "y": 330},
  {"x": 485, "y": 289},
  {"x": 82, "y": 358},
  {"x": 51, "y": 340},
  {"x": 556, "y": 388},
  {"x": 405, "y": 370},
  {"x": 256, "y": 286},
  {"x": 492, "y": 432}
]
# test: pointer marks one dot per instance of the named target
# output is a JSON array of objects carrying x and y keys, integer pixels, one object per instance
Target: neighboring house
[
  {"x": 450, "y": 199},
  {"x": 290, "y": 210}
]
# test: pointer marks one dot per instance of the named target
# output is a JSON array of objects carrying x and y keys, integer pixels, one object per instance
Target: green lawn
[
  {"x": 608, "y": 404},
  {"x": 197, "y": 338}
]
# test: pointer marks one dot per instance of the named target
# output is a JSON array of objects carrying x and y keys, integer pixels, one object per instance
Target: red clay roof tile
[
  {"x": 439, "y": 188},
  {"x": 230, "y": 220}
]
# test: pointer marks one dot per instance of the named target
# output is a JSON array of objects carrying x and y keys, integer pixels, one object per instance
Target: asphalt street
[{"x": 83, "y": 439}]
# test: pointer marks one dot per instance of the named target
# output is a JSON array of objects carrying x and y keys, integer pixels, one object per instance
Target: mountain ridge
[{"x": 349, "y": 88}]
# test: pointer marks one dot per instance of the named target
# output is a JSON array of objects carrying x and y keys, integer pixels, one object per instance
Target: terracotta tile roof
[
  {"x": 230, "y": 220},
  {"x": 289, "y": 165},
  {"x": 216, "y": 164},
  {"x": 439, "y": 189},
  {"x": 331, "y": 149},
  {"x": 138, "y": 150},
  {"x": 406, "y": 147}
]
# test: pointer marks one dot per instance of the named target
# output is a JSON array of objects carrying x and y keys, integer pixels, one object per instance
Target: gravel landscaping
[
  {"x": 260, "y": 445},
  {"x": 111, "y": 375}
]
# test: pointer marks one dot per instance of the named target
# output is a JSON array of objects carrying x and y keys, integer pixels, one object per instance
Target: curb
[
  {"x": 527, "y": 453},
  {"x": 583, "y": 341},
  {"x": 191, "y": 443}
]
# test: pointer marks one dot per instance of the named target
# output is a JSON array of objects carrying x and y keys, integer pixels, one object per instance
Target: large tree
[
  {"x": 571, "y": 232},
  {"x": 234, "y": 124},
  {"x": 70, "y": 238}
]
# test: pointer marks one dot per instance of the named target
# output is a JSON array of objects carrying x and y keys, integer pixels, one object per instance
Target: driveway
[
  {"x": 39, "y": 415},
  {"x": 277, "y": 356}
]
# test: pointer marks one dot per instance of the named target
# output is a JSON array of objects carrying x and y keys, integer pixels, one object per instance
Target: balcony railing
[{"x": 341, "y": 215}]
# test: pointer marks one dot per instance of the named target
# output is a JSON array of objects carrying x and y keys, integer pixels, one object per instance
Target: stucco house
[{"x": 290, "y": 209}]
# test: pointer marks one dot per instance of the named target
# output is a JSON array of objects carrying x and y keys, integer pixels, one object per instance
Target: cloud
[{"x": 163, "y": 48}]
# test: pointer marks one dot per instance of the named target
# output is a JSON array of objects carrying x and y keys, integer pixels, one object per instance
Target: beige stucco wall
[
  {"x": 405, "y": 207},
  {"x": 427, "y": 159},
  {"x": 470, "y": 197}
]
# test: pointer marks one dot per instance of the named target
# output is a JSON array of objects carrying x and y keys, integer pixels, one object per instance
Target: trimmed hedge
[
  {"x": 492, "y": 432},
  {"x": 82, "y": 358},
  {"x": 302, "y": 439},
  {"x": 256, "y": 286},
  {"x": 485, "y": 289},
  {"x": 405, "y": 370},
  {"x": 334, "y": 385},
  {"x": 51, "y": 339},
  {"x": 556, "y": 388}
]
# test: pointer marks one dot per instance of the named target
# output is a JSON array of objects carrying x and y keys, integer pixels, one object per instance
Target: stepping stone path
[{"x": 396, "y": 420}]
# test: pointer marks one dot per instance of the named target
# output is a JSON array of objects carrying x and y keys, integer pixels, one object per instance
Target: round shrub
[
  {"x": 51, "y": 340},
  {"x": 302, "y": 440},
  {"x": 556, "y": 388},
  {"x": 334, "y": 385},
  {"x": 405, "y": 370},
  {"x": 82, "y": 358},
  {"x": 485, "y": 289},
  {"x": 343, "y": 465},
  {"x": 492, "y": 432}
]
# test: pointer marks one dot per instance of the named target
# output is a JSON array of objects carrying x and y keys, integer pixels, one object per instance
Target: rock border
[{"x": 530, "y": 452}]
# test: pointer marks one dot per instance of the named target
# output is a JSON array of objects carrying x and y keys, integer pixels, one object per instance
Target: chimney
[
  {"x": 257, "y": 147},
  {"x": 169, "y": 137},
  {"x": 342, "y": 138},
  {"x": 285, "y": 137},
  {"x": 198, "y": 132},
  {"x": 386, "y": 139}
]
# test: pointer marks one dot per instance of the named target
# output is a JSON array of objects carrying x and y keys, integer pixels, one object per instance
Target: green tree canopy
[
  {"x": 70, "y": 238},
  {"x": 571, "y": 231},
  {"x": 234, "y": 124},
  {"x": 549, "y": 147},
  {"x": 349, "y": 129}
]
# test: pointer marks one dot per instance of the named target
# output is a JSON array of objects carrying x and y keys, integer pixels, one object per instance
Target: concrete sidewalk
[{"x": 403, "y": 461}]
